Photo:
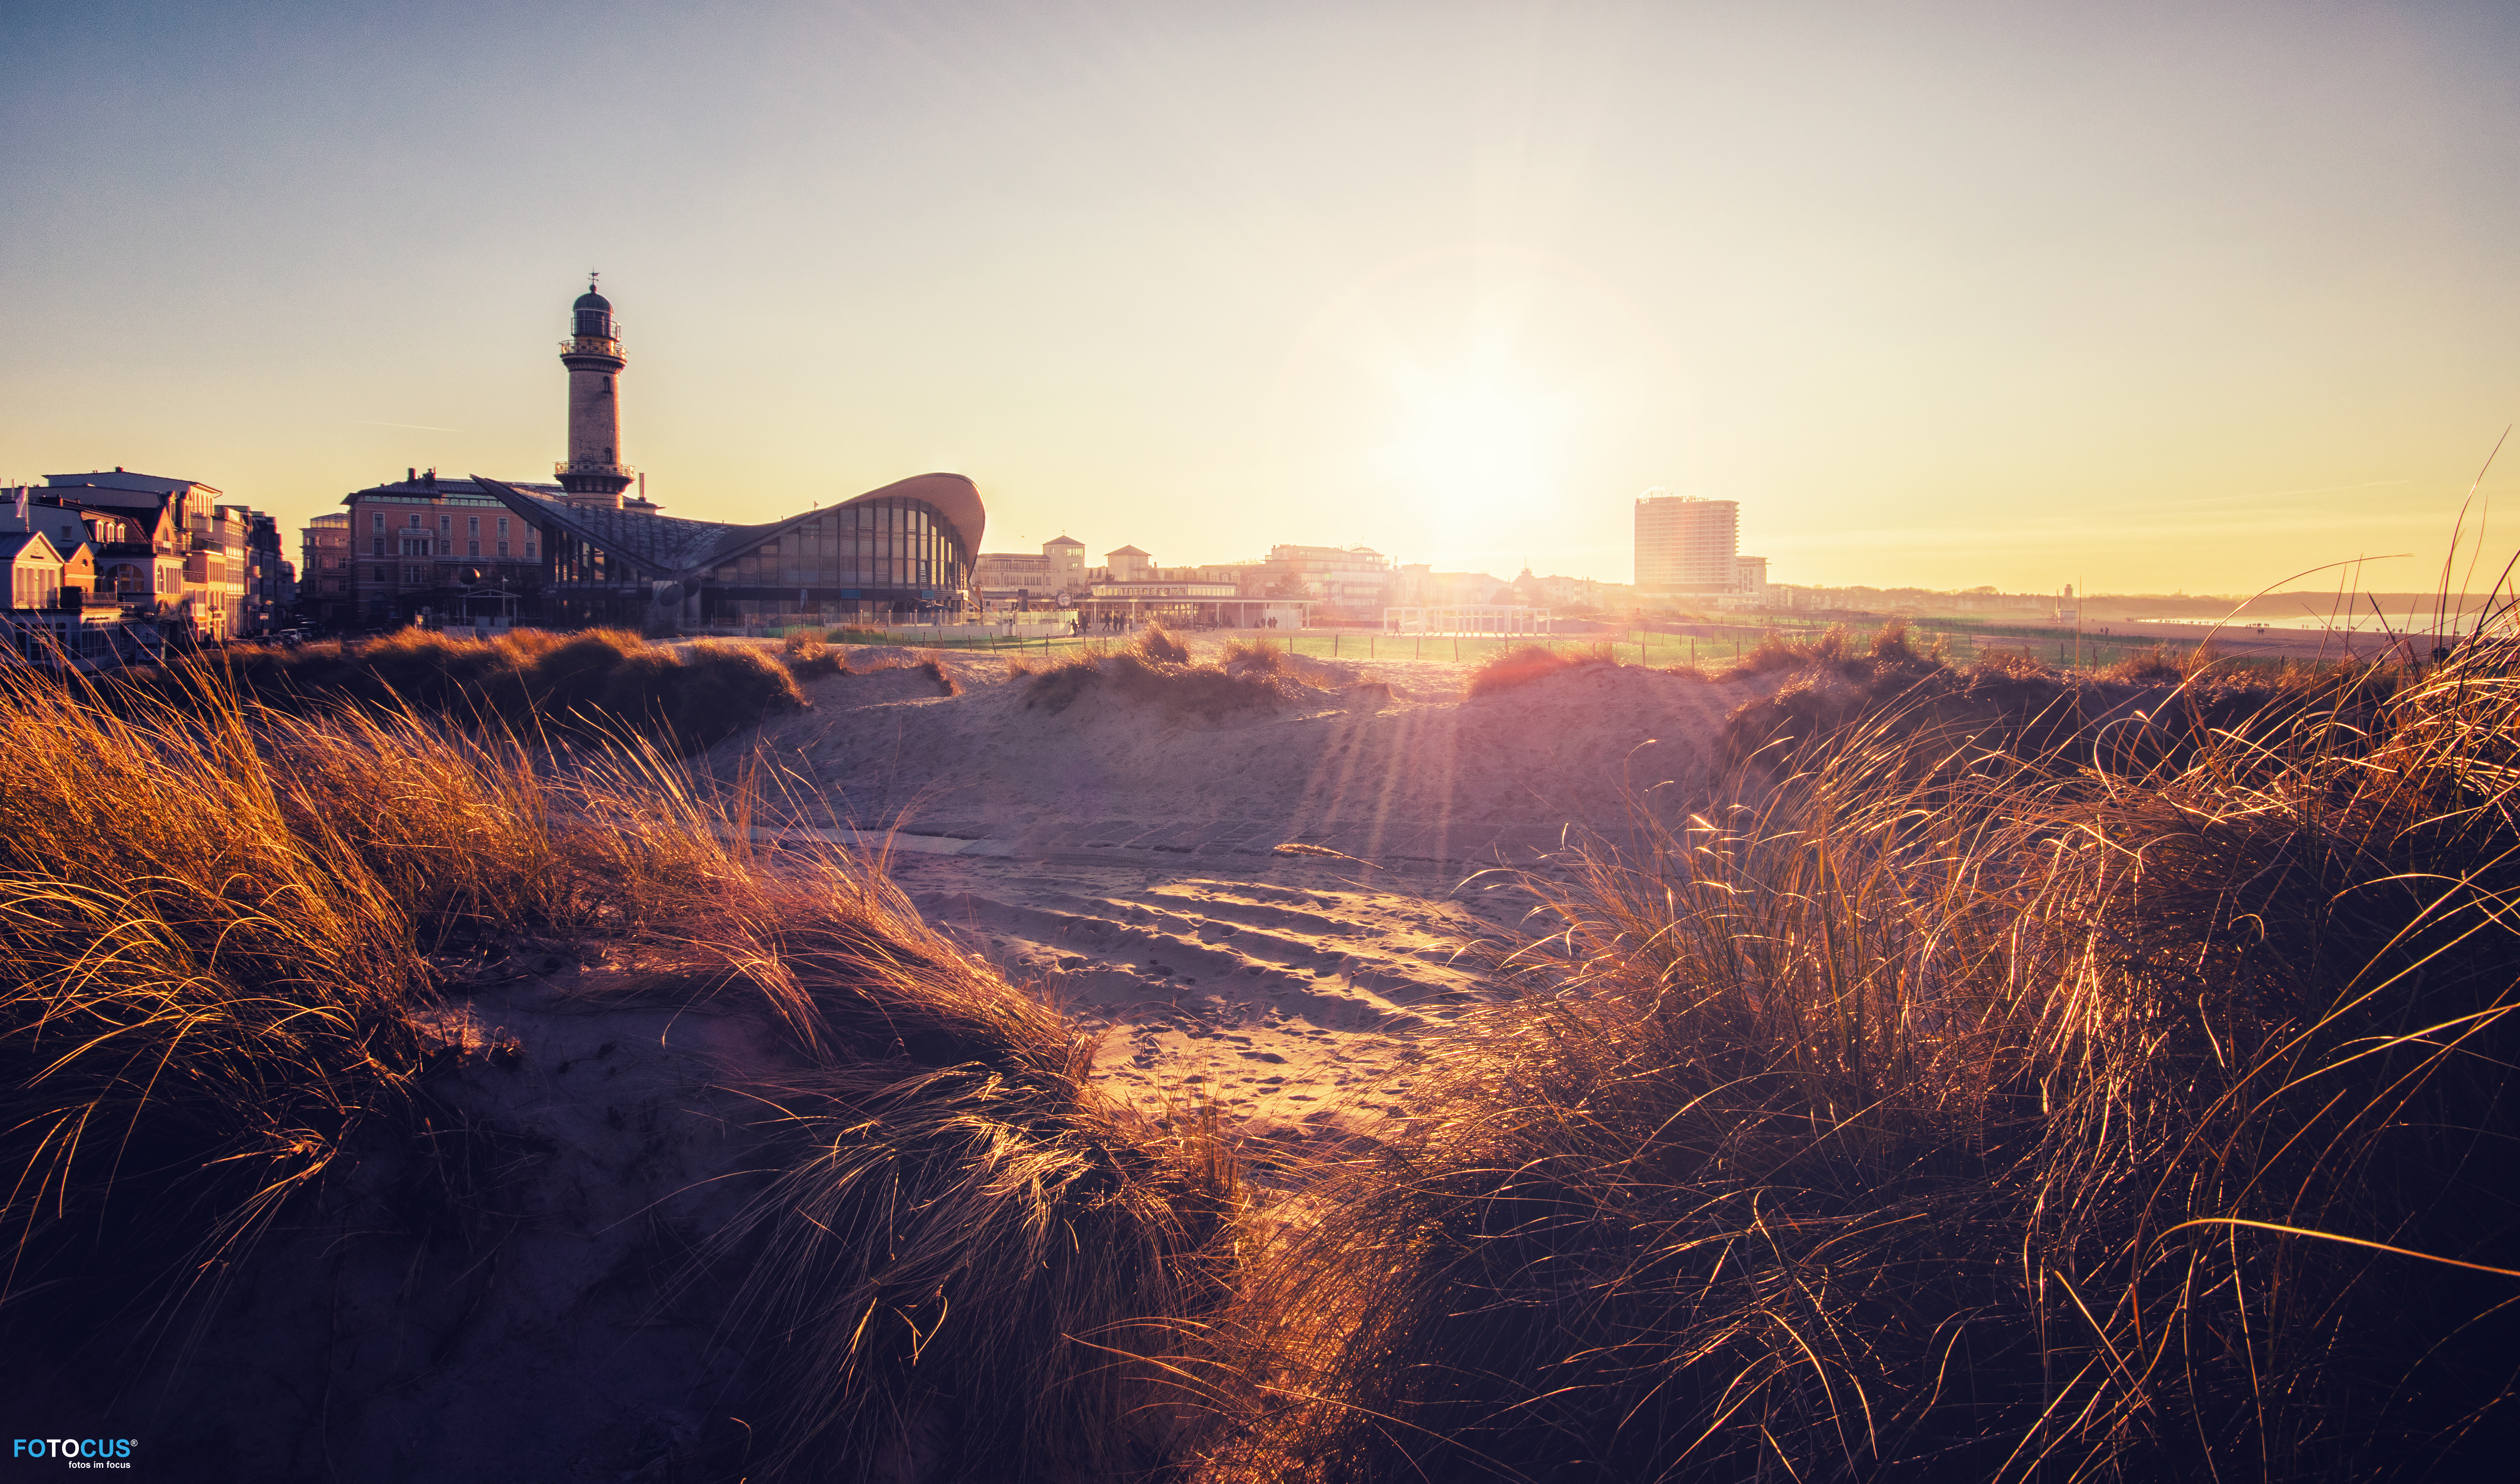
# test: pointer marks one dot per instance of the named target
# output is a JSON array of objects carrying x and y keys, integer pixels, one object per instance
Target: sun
[{"x": 1476, "y": 446}]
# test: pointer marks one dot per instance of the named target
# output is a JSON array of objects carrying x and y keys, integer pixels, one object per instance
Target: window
[
  {"x": 502, "y": 527},
  {"x": 417, "y": 524},
  {"x": 446, "y": 527},
  {"x": 530, "y": 548},
  {"x": 414, "y": 576},
  {"x": 415, "y": 546},
  {"x": 379, "y": 522},
  {"x": 503, "y": 548},
  {"x": 381, "y": 547},
  {"x": 475, "y": 548},
  {"x": 471, "y": 525}
]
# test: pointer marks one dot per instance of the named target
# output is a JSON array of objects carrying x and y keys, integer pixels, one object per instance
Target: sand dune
[
  {"x": 1125, "y": 861},
  {"x": 1385, "y": 761}
]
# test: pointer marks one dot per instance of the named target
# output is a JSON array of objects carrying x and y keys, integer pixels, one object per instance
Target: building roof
[
  {"x": 665, "y": 545},
  {"x": 116, "y": 479},
  {"x": 671, "y": 546},
  {"x": 1065, "y": 540},
  {"x": 14, "y": 545},
  {"x": 60, "y": 522},
  {"x": 1127, "y": 551},
  {"x": 955, "y": 497},
  {"x": 441, "y": 487}
]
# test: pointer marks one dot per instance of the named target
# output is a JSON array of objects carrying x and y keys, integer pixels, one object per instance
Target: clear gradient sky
[{"x": 2177, "y": 296}]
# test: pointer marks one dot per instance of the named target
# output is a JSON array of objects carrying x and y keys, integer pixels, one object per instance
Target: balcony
[
  {"x": 591, "y": 344},
  {"x": 613, "y": 470}
]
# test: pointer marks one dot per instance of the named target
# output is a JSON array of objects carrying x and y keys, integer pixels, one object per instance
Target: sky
[{"x": 2147, "y": 298}]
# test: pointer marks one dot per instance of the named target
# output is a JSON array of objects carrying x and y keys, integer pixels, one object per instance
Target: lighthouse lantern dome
[{"x": 593, "y": 315}]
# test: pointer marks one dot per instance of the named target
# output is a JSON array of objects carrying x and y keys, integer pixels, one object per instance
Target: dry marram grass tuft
[
  {"x": 2000, "y": 1123},
  {"x": 225, "y": 920},
  {"x": 1156, "y": 667},
  {"x": 599, "y": 682}
]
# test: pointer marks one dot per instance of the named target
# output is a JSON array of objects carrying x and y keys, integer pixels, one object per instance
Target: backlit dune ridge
[{"x": 1841, "y": 1067}]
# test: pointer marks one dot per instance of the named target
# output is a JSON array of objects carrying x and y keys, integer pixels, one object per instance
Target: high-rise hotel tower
[
  {"x": 1686, "y": 544},
  {"x": 594, "y": 474}
]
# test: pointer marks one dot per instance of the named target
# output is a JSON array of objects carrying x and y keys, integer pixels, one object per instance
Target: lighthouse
[{"x": 595, "y": 475}]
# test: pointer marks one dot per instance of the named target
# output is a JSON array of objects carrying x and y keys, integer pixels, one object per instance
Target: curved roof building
[{"x": 906, "y": 547}]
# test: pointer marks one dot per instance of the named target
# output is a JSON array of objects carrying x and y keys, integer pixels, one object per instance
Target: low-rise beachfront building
[
  {"x": 47, "y": 623},
  {"x": 425, "y": 546},
  {"x": 1350, "y": 584},
  {"x": 270, "y": 580},
  {"x": 142, "y": 525},
  {"x": 67, "y": 533},
  {"x": 159, "y": 549},
  {"x": 1178, "y": 603},
  {"x": 1023, "y": 580},
  {"x": 34, "y": 570}
]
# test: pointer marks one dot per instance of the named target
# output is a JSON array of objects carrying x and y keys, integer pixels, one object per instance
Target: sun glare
[{"x": 1476, "y": 448}]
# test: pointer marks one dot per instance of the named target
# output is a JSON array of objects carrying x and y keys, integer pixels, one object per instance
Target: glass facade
[
  {"x": 892, "y": 550},
  {"x": 582, "y": 563}
]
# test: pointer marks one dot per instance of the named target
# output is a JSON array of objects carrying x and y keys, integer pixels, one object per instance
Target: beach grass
[
  {"x": 2015, "y": 1075},
  {"x": 1156, "y": 667},
  {"x": 594, "y": 682},
  {"x": 227, "y": 925},
  {"x": 2140, "y": 1117}
]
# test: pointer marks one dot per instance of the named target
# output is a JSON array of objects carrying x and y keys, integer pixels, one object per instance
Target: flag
[{"x": 22, "y": 505}]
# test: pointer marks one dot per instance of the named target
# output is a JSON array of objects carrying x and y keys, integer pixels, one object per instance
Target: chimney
[{"x": 411, "y": 475}]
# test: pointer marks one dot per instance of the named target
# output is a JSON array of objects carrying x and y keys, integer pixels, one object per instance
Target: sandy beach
[{"x": 1124, "y": 860}]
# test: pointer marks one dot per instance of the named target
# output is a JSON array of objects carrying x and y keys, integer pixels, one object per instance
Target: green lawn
[{"x": 1714, "y": 642}]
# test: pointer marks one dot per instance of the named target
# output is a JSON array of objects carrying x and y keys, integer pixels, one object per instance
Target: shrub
[
  {"x": 808, "y": 657},
  {"x": 1266, "y": 657},
  {"x": 813, "y": 660},
  {"x": 2157, "y": 665},
  {"x": 1891, "y": 651},
  {"x": 2012, "y": 665},
  {"x": 1778, "y": 650},
  {"x": 2010, "y": 705},
  {"x": 1523, "y": 665},
  {"x": 932, "y": 664},
  {"x": 1139, "y": 671},
  {"x": 597, "y": 684}
]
